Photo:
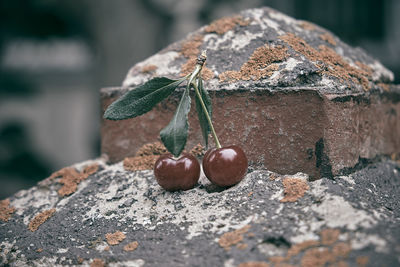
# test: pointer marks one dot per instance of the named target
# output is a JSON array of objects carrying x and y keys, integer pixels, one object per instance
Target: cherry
[
  {"x": 177, "y": 173},
  {"x": 225, "y": 166}
]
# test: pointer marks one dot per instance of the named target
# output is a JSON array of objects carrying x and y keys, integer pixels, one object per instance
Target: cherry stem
[
  {"x": 206, "y": 113},
  {"x": 194, "y": 80}
]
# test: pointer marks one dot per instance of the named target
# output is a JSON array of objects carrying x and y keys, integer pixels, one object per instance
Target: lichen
[
  {"x": 148, "y": 68},
  {"x": 191, "y": 49},
  {"x": 188, "y": 67},
  {"x": 316, "y": 257},
  {"x": 260, "y": 64},
  {"x": 156, "y": 148},
  {"x": 97, "y": 263},
  {"x": 70, "y": 178},
  {"x": 329, "y": 236},
  {"x": 131, "y": 246},
  {"x": 307, "y": 25},
  {"x": 330, "y": 63},
  {"x": 328, "y": 38},
  {"x": 294, "y": 189},
  {"x": 6, "y": 210},
  {"x": 40, "y": 219},
  {"x": 232, "y": 238},
  {"x": 140, "y": 163},
  {"x": 226, "y": 24},
  {"x": 115, "y": 238},
  {"x": 254, "y": 264}
]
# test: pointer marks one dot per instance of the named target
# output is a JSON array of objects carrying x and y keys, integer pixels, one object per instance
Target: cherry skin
[
  {"x": 174, "y": 174},
  {"x": 225, "y": 166}
]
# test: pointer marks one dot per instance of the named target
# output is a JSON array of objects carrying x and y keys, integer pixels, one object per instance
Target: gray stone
[
  {"x": 291, "y": 93},
  {"x": 360, "y": 212}
]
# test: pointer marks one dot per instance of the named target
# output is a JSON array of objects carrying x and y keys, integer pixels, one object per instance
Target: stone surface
[
  {"x": 350, "y": 220},
  {"x": 291, "y": 93}
]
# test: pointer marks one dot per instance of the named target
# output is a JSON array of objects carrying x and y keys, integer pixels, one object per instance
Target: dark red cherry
[
  {"x": 177, "y": 174},
  {"x": 225, "y": 166}
]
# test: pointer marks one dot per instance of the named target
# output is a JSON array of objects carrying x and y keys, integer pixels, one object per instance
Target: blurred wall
[{"x": 56, "y": 55}]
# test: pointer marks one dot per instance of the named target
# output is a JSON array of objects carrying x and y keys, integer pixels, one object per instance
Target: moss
[{"x": 40, "y": 219}]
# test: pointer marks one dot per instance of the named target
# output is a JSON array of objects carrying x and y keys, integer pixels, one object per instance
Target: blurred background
[{"x": 55, "y": 55}]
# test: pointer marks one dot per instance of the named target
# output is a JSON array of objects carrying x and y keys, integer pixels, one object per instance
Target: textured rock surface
[
  {"x": 291, "y": 93},
  {"x": 123, "y": 218}
]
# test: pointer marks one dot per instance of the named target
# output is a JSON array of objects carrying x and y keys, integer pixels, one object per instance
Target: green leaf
[
  {"x": 174, "y": 135},
  {"x": 141, "y": 99},
  {"x": 205, "y": 127}
]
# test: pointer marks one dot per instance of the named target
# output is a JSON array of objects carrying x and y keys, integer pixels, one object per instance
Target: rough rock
[
  {"x": 290, "y": 92},
  {"x": 268, "y": 218}
]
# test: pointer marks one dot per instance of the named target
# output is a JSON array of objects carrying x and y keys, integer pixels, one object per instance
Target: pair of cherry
[{"x": 224, "y": 166}]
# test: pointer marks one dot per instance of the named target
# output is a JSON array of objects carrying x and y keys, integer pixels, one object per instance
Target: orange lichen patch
[
  {"x": 384, "y": 86},
  {"x": 307, "y": 26},
  {"x": 329, "y": 62},
  {"x": 70, "y": 178},
  {"x": 89, "y": 170},
  {"x": 190, "y": 48},
  {"x": 197, "y": 151},
  {"x": 250, "y": 194},
  {"x": 156, "y": 148},
  {"x": 5, "y": 210},
  {"x": 329, "y": 236},
  {"x": 259, "y": 65},
  {"x": 297, "y": 248},
  {"x": 362, "y": 261},
  {"x": 341, "y": 250},
  {"x": 39, "y": 250},
  {"x": 107, "y": 248},
  {"x": 40, "y": 219},
  {"x": 284, "y": 265},
  {"x": 328, "y": 38},
  {"x": 115, "y": 238},
  {"x": 294, "y": 189},
  {"x": 277, "y": 259},
  {"x": 242, "y": 246},
  {"x": 225, "y": 24},
  {"x": 148, "y": 68},
  {"x": 339, "y": 264},
  {"x": 316, "y": 257},
  {"x": 254, "y": 264},
  {"x": 232, "y": 238},
  {"x": 274, "y": 176},
  {"x": 97, "y": 263},
  {"x": 188, "y": 67},
  {"x": 131, "y": 246},
  {"x": 140, "y": 163},
  {"x": 148, "y": 154},
  {"x": 80, "y": 260}
]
